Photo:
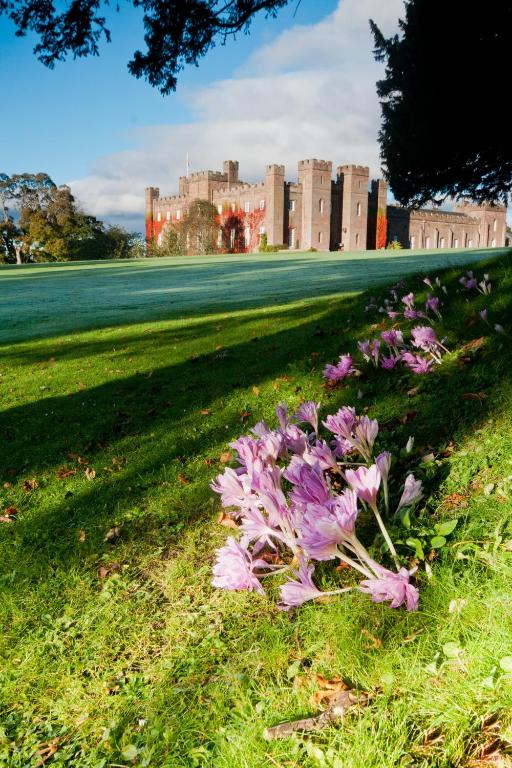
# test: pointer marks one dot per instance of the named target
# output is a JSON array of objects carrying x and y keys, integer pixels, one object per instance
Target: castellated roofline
[
  {"x": 316, "y": 165},
  {"x": 274, "y": 168},
  {"x": 360, "y": 169},
  {"x": 211, "y": 175}
]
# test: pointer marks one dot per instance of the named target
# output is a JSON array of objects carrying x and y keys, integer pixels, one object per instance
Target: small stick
[{"x": 338, "y": 708}]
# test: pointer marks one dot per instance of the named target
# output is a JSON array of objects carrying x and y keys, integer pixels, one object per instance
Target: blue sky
[{"x": 62, "y": 120}]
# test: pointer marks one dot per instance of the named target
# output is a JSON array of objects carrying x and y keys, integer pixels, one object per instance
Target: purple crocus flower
[
  {"x": 319, "y": 534},
  {"x": 499, "y": 328},
  {"x": 484, "y": 314},
  {"x": 321, "y": 454},
  {"x": 412, "y": 314},
  {"x": 409, "y": 300},
  {"x": 308, "y": 412},
  {"x": 234, "y": 568},
  {"x": 299, "y": 590},
  {"x": 428, "y": 282},
  {"x": 234, "y": 492},
  {"x": 365, "y": 482},
  {"x": 256, "y": 528},
  {"x": 311, "y": 487},
  {"x": 282, "y": 415},
  {"x": 392, "y": 314},
  {"x": 388, "y": 363},
  {"x": 416, "y": 363},
  {"x": 392, "y": 338},
  {"x": 365, "y": 434},
  {"x": 342, "y": 447},
  {"x": 424, "y": 338},
  {"x": 432, "y": 305},
  {"x": 383, "y": 462},
  {"x": 295, "y": 439},
  {"x": 345, "y": 511},
  {"x": 341, "y": 422},
  {"x": 343, "y": 368},
  {"x": 413, "y": 491},
  {"x": 392, "y": 586},
  {"x": 370, "y": 350}
]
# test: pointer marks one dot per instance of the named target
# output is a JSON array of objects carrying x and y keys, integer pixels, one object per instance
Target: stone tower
[
  {"x": 230, "y": 168},
  {"x": 274, "y": 213},
  {"x": 152, "y": 194},
  {"x": 315, "y": 180},
  {"x": 354, "y": 205}
]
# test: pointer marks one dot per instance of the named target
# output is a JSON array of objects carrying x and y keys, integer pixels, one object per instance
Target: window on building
[
  {"x": 219, "y": 208},
  {"x": 321, "y": 205},
  {"x": 231, "y": 238},
  {"x": 321, "y": 179},
  {"x": 262, "y": 205},
  {"x": 247, "y": 206},
  {"x": 358, "y": 209},
  {"x": 159, "y": 239},
  {"x": 442, "y": 242},
  {"x": 291, "y": 237},
  {"x": 493, "y": 243},
  {"x": 247, "y": 236},
  {"x": 455, "y": 242},
  {"x": 159, "y": 216},
  {"x": 427, "y": 242},
  {"x": 494, "y": 225},
  {"x": 178, "y": 214},
  {"x": 470, "y": 243},
  {"x": 168, "y": 215},
  {"x": 413, "y": 241},
  {"x": 233, "y": 207},
  {"x": 219, "y": 238},
  {"x": 291, "y": 206},
  {"x": 357, "y": 238},
  {"x": 320, "y": 237}
]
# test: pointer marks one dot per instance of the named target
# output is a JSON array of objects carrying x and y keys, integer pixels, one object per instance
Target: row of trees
[{"x": 40, "y": 221}]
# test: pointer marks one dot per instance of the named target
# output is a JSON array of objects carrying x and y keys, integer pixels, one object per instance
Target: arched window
[
  {"x": 357, "y": 236},
  {"x": 321, "y": 205},
  {"x": 358, "y": 208}
]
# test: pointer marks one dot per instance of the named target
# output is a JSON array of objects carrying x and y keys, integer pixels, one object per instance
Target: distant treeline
[{"x": 40, "y": 221}]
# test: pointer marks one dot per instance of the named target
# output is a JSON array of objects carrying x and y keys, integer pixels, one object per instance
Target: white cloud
[{"x": 309, "y": 93}]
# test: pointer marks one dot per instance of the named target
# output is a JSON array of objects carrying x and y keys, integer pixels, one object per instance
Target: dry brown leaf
[
  {"x": 7, "y": 485},
  {"x": 64, "y": 472},
  {"x": 454, "y": 501},
  {"x": 480, "y": 396},
  {"x": 183, "y": 479},
  {"x": 82, "y": 536},
  {"x": 105, "y": 570},
  {"x": 205, "y": 412},
  {"x": 413, "y": 392},
  {"x": 30, "y": 485},
  {"x": 376, "y": 642},
  {"x": 225, "y": 457},
  {"x": 244, "y": 415},
  {"x": 329, "y": 689},
  {"x": 474, "y": 344},
  {"x": 227, "y": 520},
  {"x": 90, "y": 473},
  {"x": 113, "y": 534},
  {"x": 256, "y": 391}
]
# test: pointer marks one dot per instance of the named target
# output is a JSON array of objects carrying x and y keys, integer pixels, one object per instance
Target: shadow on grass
[{"x": 154, "y": 420}]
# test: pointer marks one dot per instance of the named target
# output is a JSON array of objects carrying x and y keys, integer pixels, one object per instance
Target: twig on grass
[{"x": 336, "y": 710}]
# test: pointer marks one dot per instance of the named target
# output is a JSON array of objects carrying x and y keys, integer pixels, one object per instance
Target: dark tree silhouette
[
  {"x": 177, "y": 32},
  {"x": 445, "y": 100}
]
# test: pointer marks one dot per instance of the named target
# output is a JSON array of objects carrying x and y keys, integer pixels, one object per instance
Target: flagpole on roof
[{"x": 187, "y": 165}]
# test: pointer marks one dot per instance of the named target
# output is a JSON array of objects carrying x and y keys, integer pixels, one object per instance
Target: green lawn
[
  {"x": 35, "y": 300},
  {"x": 121, "y": 653}
]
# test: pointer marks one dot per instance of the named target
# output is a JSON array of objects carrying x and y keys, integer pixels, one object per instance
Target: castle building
[{"x": 319, "y": 212}]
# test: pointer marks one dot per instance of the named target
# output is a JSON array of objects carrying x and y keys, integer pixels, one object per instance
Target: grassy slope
[
  {"x": 35, "y": 300},
  {"x": 153, "y": 659}
]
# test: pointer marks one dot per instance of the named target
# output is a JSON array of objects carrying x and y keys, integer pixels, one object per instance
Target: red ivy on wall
[{"x": 382, "y": 229}]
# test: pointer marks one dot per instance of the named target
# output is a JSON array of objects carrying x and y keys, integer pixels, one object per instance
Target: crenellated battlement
[
  {"x": 315, "y": 165},
  {"x": 360, "y": 170},
  {"x": 276, "y": 169}
]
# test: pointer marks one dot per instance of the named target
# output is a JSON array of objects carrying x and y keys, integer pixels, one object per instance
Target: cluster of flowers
[
  {"x": 297, "y": 500},
  {"x": 425, "y": 349}
]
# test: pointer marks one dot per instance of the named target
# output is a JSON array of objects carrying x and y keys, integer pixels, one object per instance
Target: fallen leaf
[
  {"x": 113, "y": 534},
  {"x": 454, "y": 501},
  {"x": 81, "y": 536},
  {"x": 256, "y": 391},
  {"x": 225, "y": 457},
  {"x": 205, "y": 412},
  {"x": 7, "y": 485},
  {"x": 30, "y": 485},
  {"x": 105, "y": 570},
  {"x": 409, "y": 416},
  {"x": 480, "y": 396},
  {"x": 244, "y": 415},
  {"x": 376, "y": 642},
  {"x": 227, "y": 520},
  {"x": 474, "y": 344},
  {"x": 64, "y": 472},
  {"x": 183, "y": 479},
  {"x": 329, "y": 689},
  {"x": 89, "y": 473},
  {"x": 413, "y": 392}
]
